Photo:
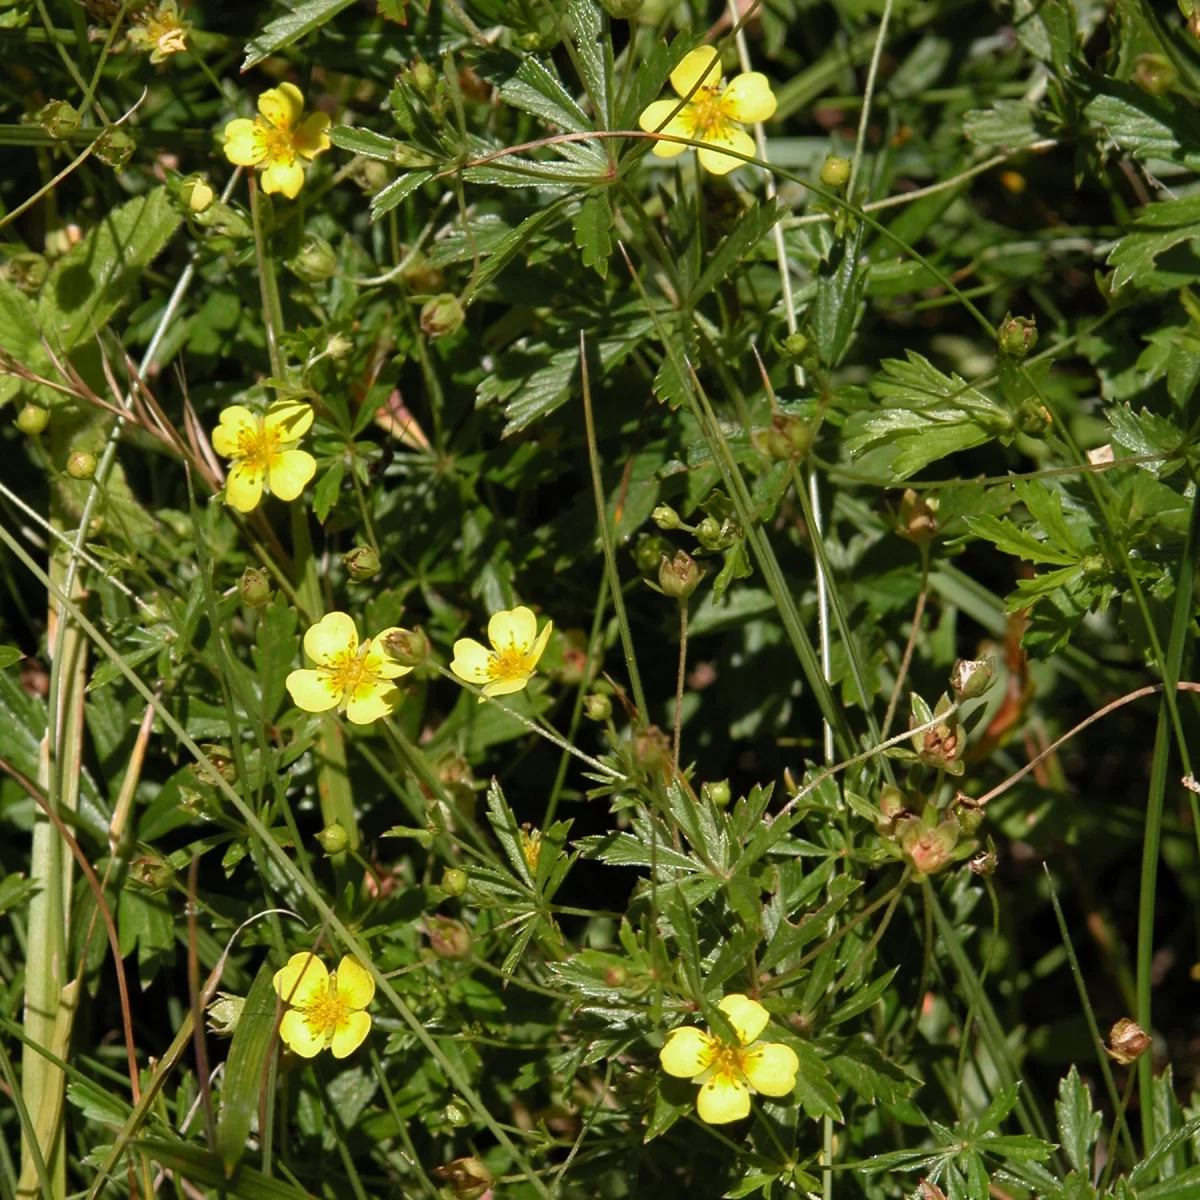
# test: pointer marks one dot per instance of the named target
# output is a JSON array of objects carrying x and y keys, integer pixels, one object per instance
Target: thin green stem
[{"x": 268, "y": 285}]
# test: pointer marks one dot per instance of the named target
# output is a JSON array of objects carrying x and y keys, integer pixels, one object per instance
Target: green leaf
[
  {"x": 245, "y": 1074},
  {"x": 593, "y": 222},
  {"x": 1145, "y": 434},
  {"x": 18, "y": 334},
  {"x": 290, "y": 28},
  {"x": 203, "y": 1167},
  {"x": 840, "y": 285},
  {"x": 860, "y": 1064},
  {"x": 862, "y": 999},
  {"x": 1019, "y": 542},
  {"x": 1145, "y": 126},
  {"x": 1078, "y": 1125},
  {"x": 507, "y": 830},
  {"x": 1007, "y": 125},
  {"x": 325, "y": 494},
  {"x": 9, "y": 655},
  {"x": 744, "y": 236},
  {"x": 595, "y": 54},
  {"x": 1047, "y": 30},
  {"x": 1158, "y": 227},
  {"x": 364, "y": 141},
  {"x": 397, "y": 192},
  {"x": 274, "y": 653},
  {"x": 527, "y": 84}
]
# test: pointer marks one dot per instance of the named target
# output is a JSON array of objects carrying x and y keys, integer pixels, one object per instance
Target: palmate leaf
[
  {"x": 1158, "y": 228},
  {"x": 1078, "y": 1125}
]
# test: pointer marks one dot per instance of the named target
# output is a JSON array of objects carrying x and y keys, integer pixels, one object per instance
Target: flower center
[
  {"x": 258, "y": 446},
  {"x": 349, "y": 672},
  {"x": 507, "y": 664},
  {"x": 729, "y": 1060},
  {"x": 704, "y": 113},
  {"x": 277, "y": 141},
  {"x": 324, "y": 1013}
]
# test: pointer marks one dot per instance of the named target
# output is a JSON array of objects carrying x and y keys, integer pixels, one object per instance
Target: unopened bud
[
  {"x": 441, "y": 316},
  {"x": 467, "y": 1178},
  {"x": 32, "y": 419},
  {"x": 917, "y": 517},
  {"x": 650, "y": 747},
  {"x": 647, "y": 551},
  {"x": 679, "y": 576},
  {"x": 152, "y": 872},
  {"x": 422, "y": 76},
  {"x": 787, "y": 438},
  {"x": 448, "y": 938},
  {"x": 334, "y": 839},
  {"x": 795, "y": 345},
  {"x": 531, "y": 847},
  {"x": 196, "y": 193},
  {"x": 1017, "y": 335},
  {"x": 835, "y": 171},
  {"x": 81, "y": 464},
  {"x": 892, "y": 802},
  {"x": 455, "y": 881},
  {"x": 972, "y": 677},
  {"x": 224, "y": 1013},
  {"x": 255, "y": 588},
  {"x": 408, "y": 647},
  {"x": 114, "y": 148},
  {"x": 362, "y": 563},
  {"x": 58, "y": 118},
  {"x": 597, "y": 707},
  {"x": 456, "y": 1115},
  {"x": 665, "y": 517},
  {"x": 1154, "y": 73},
  {"x": 720, "y": 793},
  {"x": 1127, "y": 1042},
  {"x": 316, "y": 260},
  {"x": 616, "y": 976}
]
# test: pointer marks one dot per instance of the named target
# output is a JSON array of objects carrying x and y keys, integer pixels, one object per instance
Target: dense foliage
[{"x": 536, "y": 662}]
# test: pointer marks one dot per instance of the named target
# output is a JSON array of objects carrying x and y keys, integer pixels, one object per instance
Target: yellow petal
[
  {"x": 381, "y": 662},
  {"x": 236, "y": 423},
  {"x": 514, "y": 628},
  {"x": 371, "y": 701},
  {"x": 245, "y": 143},
  {"x": 290, "y": 472},
  {"x": 313, "y": 691},
  {"x": 679, "y": 126},
  {"x": 732, "y": 138},
  {"x": 505, "y": 687},
  {"x": 722, "y": 1099},
  {"x": 687, "y": 1052},
  {"x": 332, "y": 636},
  {"x": 243, "y": 487},
  {"x": 282, "y": 106},
  {"x": 771, "y": 1068},
  {"x": 747, "y": 1016},
  {"x": 311, "y": 137},
  {"x": 285, "y": 177},
  {"x": 299, "y": 1036},
  {"x": 471, "y": 660},
  {"x": 539, "y": 646},
  {"x": 701, "y": 64},
  {"x": 355, "y": 984},
  {"x": 292, "y": 419},
  {"x": 349, "y": 1034},
  {"x": 302, "y": 981},
  {"x": 749, "y": 98}
]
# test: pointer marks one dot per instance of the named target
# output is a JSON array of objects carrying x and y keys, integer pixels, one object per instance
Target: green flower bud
[
  {"x": 647, "y": 551},
  {"x": 255, "y": 588},
  {"x": 448, "y": 938},
  {"x": 651, "y": 748},
  {"x": 115, "y": 147},
  {"x": 362, "y": 563},
  {"x": 422, "y": 76},
  {"x": 665, "y": 517},
  {"x": 597, "y": 707},
  {"x": 58, "y": 118},
  {"x": 455, "y": 881},
  {"x": 32, "y": 419},
  {"x": 408, "y": 647},
  {"x": 334, "y": 839},
  {"x": 795, "y": 345},
  {"x": 835, "y": 171},
  {"x": 442, "y": 316},
  {"x": 456, "y": 1115},
  {"x": 972, "y": 677},
  {"x": 787, "y": 438},
  {"x": 679, "y": 576},
  {"x": 81, "y": 464},
  {"x": 1017, "y": 335},
  {"x": 720, "y": 793},
  {"x": 616, "y": 976},
  {"x": 26, "y": 272},
  {"x": 224, "y": 1013},
  {"x": 196, "y": 193},
  {"x": 151, "y": 872},
  {"x": 315, "y": 261},
  {"x": 1154, "y": 73}
]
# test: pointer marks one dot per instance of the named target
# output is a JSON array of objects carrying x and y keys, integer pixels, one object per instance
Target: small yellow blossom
[
  {"x": 264, "y": 447},
  {"x": 278, "y": 140},
  {"x": 510, "y": 664},
  {"x": 727, "y": 1074},
  {"x": 714, "y": 113},
  {"x": 159, "y": 31},
  {"x": 324, "y": 1009},
  {"x": 356, "y": 679},
  {"x": 531, "y": 847}
]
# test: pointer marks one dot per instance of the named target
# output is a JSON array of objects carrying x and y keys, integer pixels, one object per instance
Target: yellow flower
[
  {"x": 713, "y": 113},
  {"x": 159, "y": 31},
  {"x": 509, "y": 665},
  {"x": 278, "y": 140},
  {"x": 324, "y": 1010},
  {"x": 264, "y": 446},
  {"x": 350, "y": 677},
  {"x": 727, "y": 1074}
]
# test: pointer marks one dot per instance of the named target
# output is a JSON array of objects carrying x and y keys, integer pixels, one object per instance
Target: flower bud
[
  {"x": 1017, "y": 335},
  {"x": 27, "y": 271},
  {"x": 795, "y": 345},
  {"x": 616, "y": 976},
  {"x": 968, "y": 816},
  {"x": 255, "y": 588},
  {"x": 468, "y": 1177},
  {"x": 1127, "y": 1042},
  {"x": 679, "y": 576},
  {"x": 716, "y": 535},
  {"x": 422, "y": 76},
  {"x": 152, "y": 872},
  {"x": 334, "y": 839},
  {"x": 651, "y": 748},
  {"x": 455, "y": 881},
  {"x": 984, "y": 863},
  {"x": 315, "y": 261},
  {"x": 441, "y": 316},
  {"x": 32, "y": 419},
  {"x": 224, "y": 1013},
  {"x": 917, "y": 517},
  {"x": 893, "y": 803},
  {"x": 972, "y": 677},
  {"x": 448, "y": 938},
  {"x": 456, "y": 1115},
  {"x": 835, "y": 171},
  {"x": 58, "y": 118},
  {"x": 531, "y": 847},
  {"x": 942, "y": 746},
  {"x": 597, "y": 707},
  {"x": 408, "y": 647},
  {"x": 621, "y": 10},
  {"x": 339, "y": 347},
  {"x": 665, "y": 517},
  {"x": 928, "y": 849},
  {"x": 362, "y": 563},
  {"x": 647, "y": 551},
  {"x": 196, "y": 193},
  {"x": 720, "y": 793},
  {"x": 787, "y": 438},
  {"x": 115, "y": 147},
  {"x": 81, "y": 464},
  {"x": 1154, "y": 73}
]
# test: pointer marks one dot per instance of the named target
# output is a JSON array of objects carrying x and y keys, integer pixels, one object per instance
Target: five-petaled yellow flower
[
  {"x": 714, "y": 112},
  {"x": 264, "y": 447},
  {"x": 727, "y": 1074},
  {"x": 510, "y": 664},
  {"x": 357, "y": 679},
  {"x": 324, "y": 1009},
  {"x": 277, "y": 140}
]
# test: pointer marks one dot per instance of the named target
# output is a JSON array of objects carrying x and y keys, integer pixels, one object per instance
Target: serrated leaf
[
  {"x": 840, "y": 284},
  {"x": 397, "y": 192},
  {"x": 1019, "y": 542},
  {"x": 862, "y": 999},
  {"x": 586, "y": 23},
  {"x": 527, "y": 84},
  {"x": 1078, "y": 1125},
  {"x": 1008, "y": 125},
  {"x": 1143, "y": 125},
  {"x": 592, "y": 224},
  {"x": 366, "y": 142},
  {"x": 325, "y": 493},
  {"x": 742, "y": 239},
  {"x": 1144, "y": 434},
  {"x": 291, "y": 27},
  {"x": 507, "y": 830},
  {"x": 1158, "y": 227}
]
